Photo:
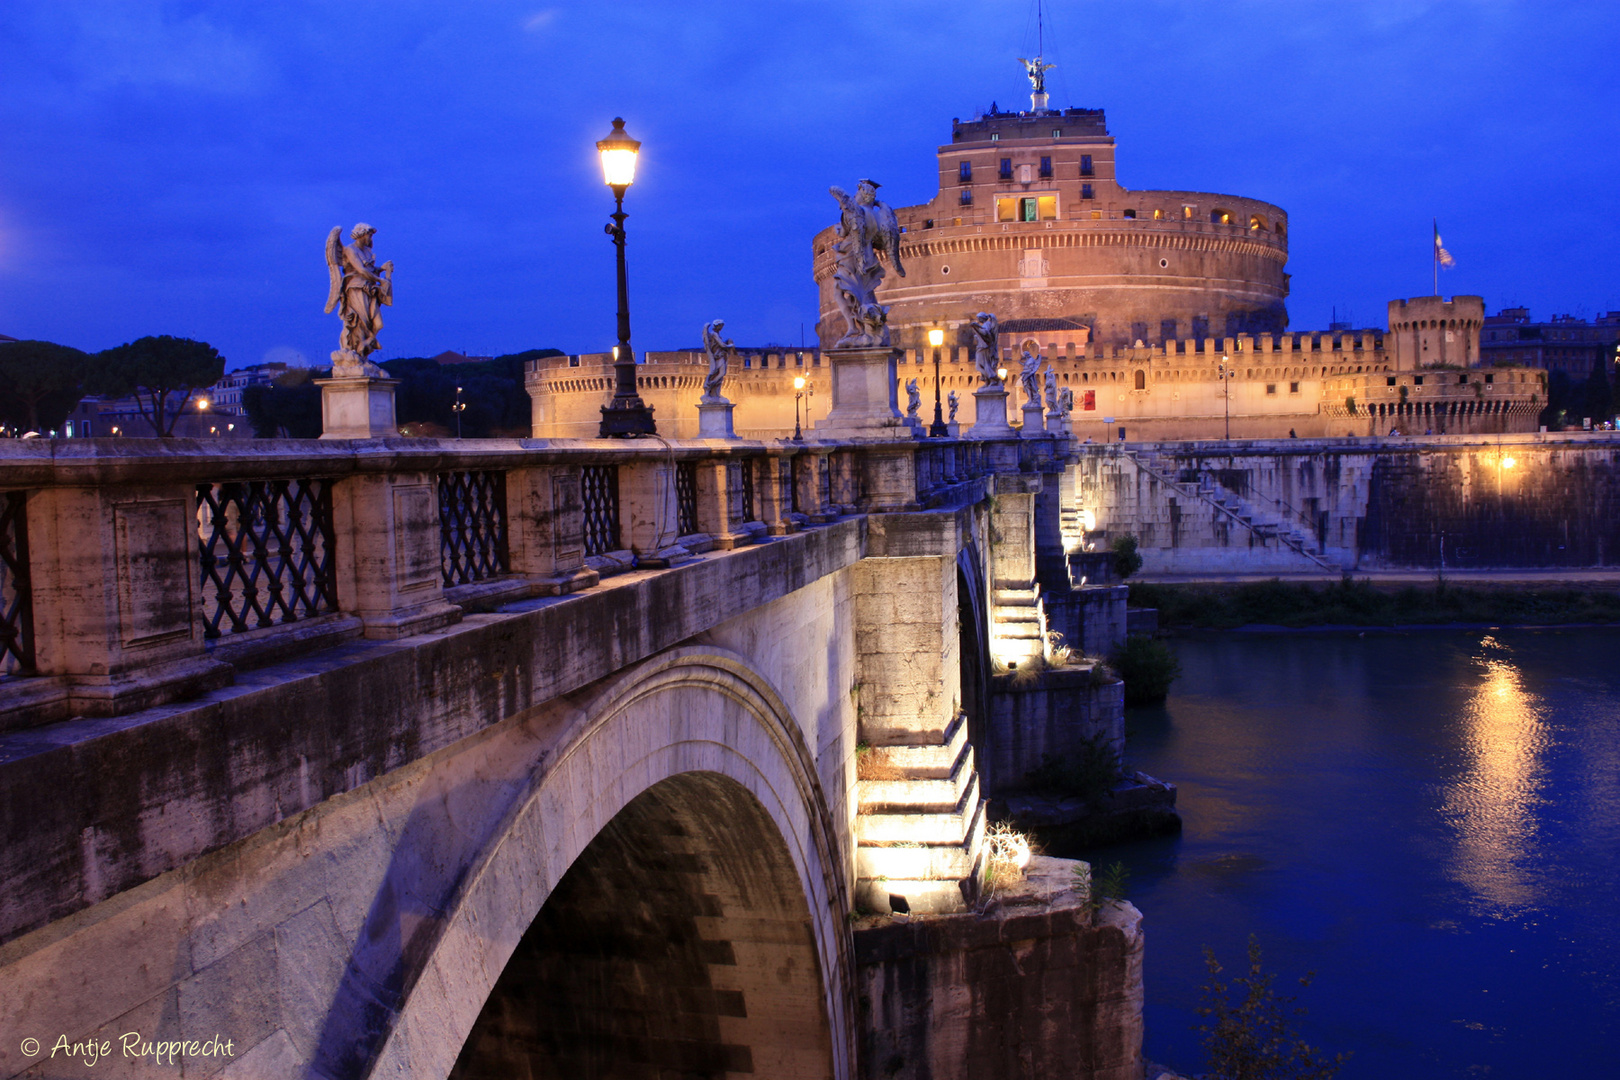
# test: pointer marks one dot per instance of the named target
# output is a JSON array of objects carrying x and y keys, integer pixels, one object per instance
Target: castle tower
[{"x": 1429, "y": 331}]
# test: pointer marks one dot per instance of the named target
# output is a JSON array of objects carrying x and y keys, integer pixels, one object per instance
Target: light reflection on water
[
  {"x": 1430, "y": 821},
  {"x": 1491, "y": 804}
]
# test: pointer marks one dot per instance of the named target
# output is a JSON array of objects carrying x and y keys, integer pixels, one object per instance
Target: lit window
[
  {"x": 1187, "y": 212},
  {"x": 1057, "y": 133},
  {"x": 1158, "y": 215},
  {"x": 995, "y": 136}
]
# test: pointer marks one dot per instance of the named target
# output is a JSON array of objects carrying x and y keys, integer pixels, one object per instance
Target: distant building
[
  {"x": 1563, "y": 343},
  {"x": 450, "y": 356},
  {"x": 226, "y": 395}
]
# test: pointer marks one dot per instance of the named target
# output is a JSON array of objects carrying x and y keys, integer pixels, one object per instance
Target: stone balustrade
[{"x": 137, "y": 572}]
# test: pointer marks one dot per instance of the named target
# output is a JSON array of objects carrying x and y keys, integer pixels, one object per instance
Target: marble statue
[
  {"x": 363, "y": 289},
  {"x": 951, "y": 402},
  {"x": 1037, "y": 73},
  {"x": 986, "y": 358},
  {"x": 865, "y": 228},
  {"x": 1065, "y": 401},
  {"x": 719, "y": 353},
  {"x": 1051, "y": 389},
  {"x": 1029, "y": 376},
  {"x": 913, "y": 398}
]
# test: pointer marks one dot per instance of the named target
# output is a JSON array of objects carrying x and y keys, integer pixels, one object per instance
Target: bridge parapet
[{"x": 138, "y": 572}]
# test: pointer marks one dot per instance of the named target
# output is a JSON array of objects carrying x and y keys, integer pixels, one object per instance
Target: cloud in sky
[{"x": 174, "y": 168}]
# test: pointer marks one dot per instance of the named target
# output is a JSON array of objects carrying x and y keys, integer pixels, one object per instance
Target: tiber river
[{"x": 1430, "y": 820}]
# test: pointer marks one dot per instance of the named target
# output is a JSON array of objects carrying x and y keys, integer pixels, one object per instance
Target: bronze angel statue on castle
[{"x": 363, "y": 289}]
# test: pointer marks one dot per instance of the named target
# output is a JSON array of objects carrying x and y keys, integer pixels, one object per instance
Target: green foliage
[
  {"x": 40, "y": 383},
  {"x": 1105, "y": 886},
  {"x": 1361, "y": 603},
  {"x": 1089, "y": 774},
  {"x": 1148, "y": 667},
  {"x": 288, "y": 409},
  {"x": 497, "y": 404},
  {"x": 162, "y": 373},
  {"x": 1248, "y": 1035},
  {"x": 1127, "y": 560},
  {"x": 1350, "y": 404}
]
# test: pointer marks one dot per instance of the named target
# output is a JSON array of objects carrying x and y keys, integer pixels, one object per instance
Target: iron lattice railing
[
  {"x": 472, "y": 526},
  {"x": 599, "y": 490},
  {"x": 16, "y": 589},
  {"x": 746, "y": 468},
  {"x": 790, "y": 490},
  {"x": 265, "y": 553},
  {"x": 686, "y": 516},
  {"x": 824, "y": 481}
]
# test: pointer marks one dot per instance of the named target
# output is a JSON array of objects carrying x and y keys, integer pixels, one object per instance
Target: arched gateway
[{"x": 666, "y": 898}]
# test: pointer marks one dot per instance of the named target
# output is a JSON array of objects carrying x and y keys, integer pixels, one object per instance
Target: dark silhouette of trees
[
  {"x": 40, "y": 383},
  {"x": 162, "y": 373}
]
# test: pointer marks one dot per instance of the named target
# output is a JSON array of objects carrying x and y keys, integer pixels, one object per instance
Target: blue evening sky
[{"x": 175, "y": 167}]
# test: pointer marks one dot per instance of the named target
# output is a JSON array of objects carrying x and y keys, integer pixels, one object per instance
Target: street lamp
[
  {"x": 1224, "y": 373},
  {"x": 936, "y": 338},
  {"x": 627, "y": 415},
  {"x": 799, "y": 391},
  {"x": 458, "y": 408}
]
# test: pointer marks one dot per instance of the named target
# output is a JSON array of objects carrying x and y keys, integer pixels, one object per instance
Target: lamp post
[
  {"x": 798, "y": 392},
  {"x": 1224, "y": 373},
  {"x": 938, "y": 430},
  {"x": 458, "y": 408},
  {"x": 627, "y": 415}
]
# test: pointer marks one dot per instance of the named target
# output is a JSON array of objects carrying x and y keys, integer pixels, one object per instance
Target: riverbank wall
[{"x": 1317, "y": 505}]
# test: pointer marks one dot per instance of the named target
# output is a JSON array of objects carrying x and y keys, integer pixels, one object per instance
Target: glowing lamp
[
  {"x": 798, "y": 382},
  {"x": 202, "y": 404},
  {"x": 618, "y": 153},
  {"x": 1001, "y": 373},
  {"x": 936, "y": 337},
  {"x": 1509, "y": 462}
]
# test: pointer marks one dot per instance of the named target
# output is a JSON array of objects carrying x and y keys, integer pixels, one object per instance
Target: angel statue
[
  {"x": 719, "y": 353},
  {"x": 986, "y": 357},
  {"x": 913, "y": 398},
  {"x": 1065, "y": 402},
  {"x": 865, "y": 228},
  {"x": 1051, "y": 389},
  {"x": 951, "y": 401},
  {"x": 1037, "y": 73},
  {"x": 363, "y": 288},
  {"x": 1029, "y": 376}
]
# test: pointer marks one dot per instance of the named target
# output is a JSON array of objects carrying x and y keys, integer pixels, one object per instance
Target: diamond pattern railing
[
  {"x": 746, "y": 468},
  {"x": 265, "y": 553},
  {"x": 472, "y": 526},
  {"x": 16, "y": 590},
  {"x": 599, "y": 488},
  {"x": 790, "y": 490},
  {"x": 686, "y": 515}
]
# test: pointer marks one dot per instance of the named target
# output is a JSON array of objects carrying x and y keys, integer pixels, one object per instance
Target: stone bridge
[{"x": 411, "y": 758}]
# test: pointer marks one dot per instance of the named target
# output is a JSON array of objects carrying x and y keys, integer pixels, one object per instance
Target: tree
[
  {"x": 154, "y": 370},
  {"x": 1597, "y": 398},
  {"x": 1127, "y": 560},
  {"x": 290, "y": 408},
  {"x": 40, "y": 383},
  {"x": 1251, "y": 1038}
]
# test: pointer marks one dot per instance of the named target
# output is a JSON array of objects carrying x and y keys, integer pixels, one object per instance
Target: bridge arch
[{"x": 679, "y": 841}]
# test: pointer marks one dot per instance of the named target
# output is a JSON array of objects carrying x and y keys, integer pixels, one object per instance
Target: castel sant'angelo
[{"x": 1164, "y": 313}]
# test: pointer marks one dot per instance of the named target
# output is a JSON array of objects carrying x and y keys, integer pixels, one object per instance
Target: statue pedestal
[
  {"x": 990, "y": 414},
  {"x": 953, "y": 430},
  {"x": 357, "y": 408},
  {"x": 1057, "y": 423},
  {"x": 865, "y": 400},
  {"x": 714, "y": 419},
  {"x": 1034, "y": 421}
]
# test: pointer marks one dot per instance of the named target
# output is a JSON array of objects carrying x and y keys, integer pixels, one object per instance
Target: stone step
[
  {"x": 932, "y": 761},
  {"x": 934, "y": 794},
  {"x": 939, "y": 827}
]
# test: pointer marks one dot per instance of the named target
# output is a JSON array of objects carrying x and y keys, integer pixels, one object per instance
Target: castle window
[
  {"x": 1086, "y": 192},
  {"x": 1085, "y": 165},
  {"x": 1389, "y": 380},
  {"x": 1130, "y": 215},
  {"x": 967, "y": 197},
  {"x": 1006, "y": 168},
  {"x": 1096, "y": 215},
  {"x": 1167, "y": 329},
  {"x": 1257, "y": 223},
  {"x": 1293, "y": 388},
  {"x": 1417, "y": 380},
  {"x": 1046, "y": 168},
  {"x": 1057, "y": 133},
  {"x": 928, "y": 223},
  {"x": 995, "y": 136},
  {"x": 1490, "y": 378},
  {"x": 1220, "y": 217},
  {"x": 964, "y": 171},
  {"x": 1158, "y": 215},
  {"x": 1271, "y": 388},
  {"x": 1187, "y": 212},
  {"x": 1141, "y": 379}
]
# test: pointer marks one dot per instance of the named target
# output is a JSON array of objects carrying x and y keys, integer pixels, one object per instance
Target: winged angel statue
[
  {"x": 362, "y": 288},
  {"x": 865, "y": 228}
]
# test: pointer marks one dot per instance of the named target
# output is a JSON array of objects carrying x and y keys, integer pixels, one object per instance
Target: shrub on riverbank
[
  {"x": 1089, "y": 774},
  {"x": 1148, "y": 667},
  {"x": 1362, "y": 603}
]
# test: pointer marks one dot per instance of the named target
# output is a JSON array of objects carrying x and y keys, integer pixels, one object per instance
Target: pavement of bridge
[{"x": 1559, "y": 577}]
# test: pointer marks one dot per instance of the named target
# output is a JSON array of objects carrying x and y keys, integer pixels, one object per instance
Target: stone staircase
[
  {"x": 1017, "y": 623},
  {"x": 1264, "y": 525},
  {"x": 919, "y": 832}
]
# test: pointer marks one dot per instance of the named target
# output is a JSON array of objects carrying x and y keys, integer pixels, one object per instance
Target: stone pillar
[
  {"x": 648, "y": 518},
  {"x": 546, "y": 528},
  {"x": 714, "y": 419},
  {"x": 865, "y": 402},
  {"x": 117, "y": 613},
  {"x": 990, "y": 413},
  {"x": 807, "y": 475},
  {"x": 389, "y": 571},
  {"x": 773, "y": 507},
  {"x": 357, "y": 408},
  {"x": 714, "y": 504}
]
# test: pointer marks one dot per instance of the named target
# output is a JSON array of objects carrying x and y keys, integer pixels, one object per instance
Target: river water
[{"x": 1430, "y": 820}]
